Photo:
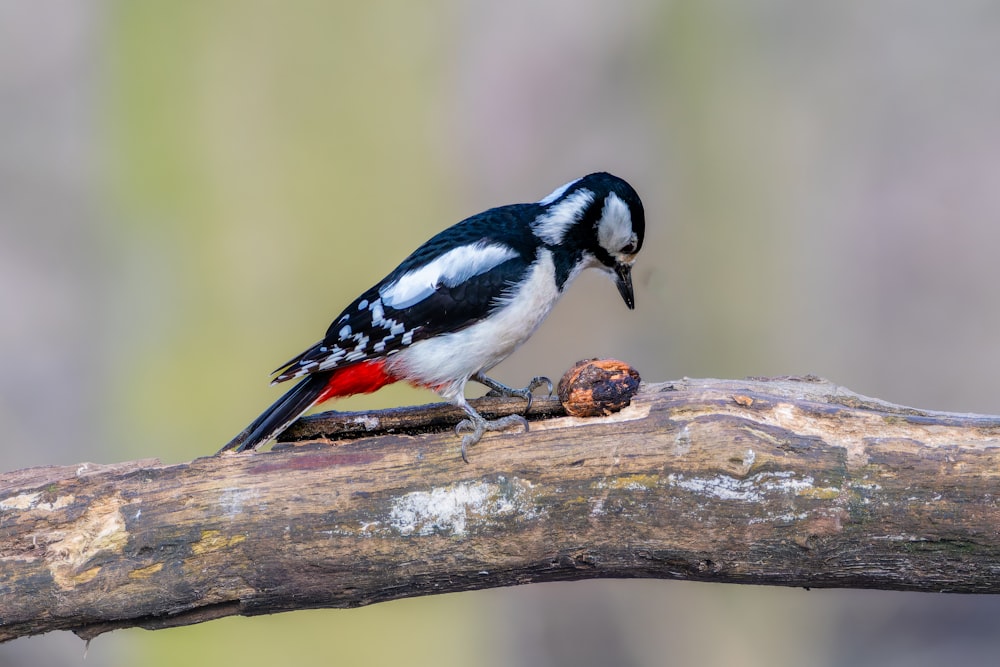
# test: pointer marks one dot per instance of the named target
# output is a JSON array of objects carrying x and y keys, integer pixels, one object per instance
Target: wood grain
[{"x": 789, "y": 481}]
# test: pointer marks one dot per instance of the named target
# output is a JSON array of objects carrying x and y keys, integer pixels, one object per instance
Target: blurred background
[{"x": 190, "y": 192}]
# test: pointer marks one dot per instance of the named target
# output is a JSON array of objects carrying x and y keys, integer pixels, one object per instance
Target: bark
[{"x": 790, "y": 481}]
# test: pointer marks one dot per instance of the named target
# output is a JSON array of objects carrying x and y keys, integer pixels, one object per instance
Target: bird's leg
[
  {"x": 497, "y": 389},
  {"x": 478, "y": 425}
]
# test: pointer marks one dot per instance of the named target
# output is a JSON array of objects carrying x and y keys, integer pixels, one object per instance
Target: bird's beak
[{"x": 623, "y": 273}]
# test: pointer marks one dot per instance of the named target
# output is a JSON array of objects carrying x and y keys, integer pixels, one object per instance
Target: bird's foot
[
  {"x": 478, "y": 425},
  {"x": 498, "y": 389}
]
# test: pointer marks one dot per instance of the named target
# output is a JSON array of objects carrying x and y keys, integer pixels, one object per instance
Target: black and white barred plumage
[{"x": 465, "y": 300}]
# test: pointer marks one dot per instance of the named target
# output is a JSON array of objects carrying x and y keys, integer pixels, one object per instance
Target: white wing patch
[
  {"x": 614, "y": 229},
  {"x": 447, "y": 361},
  {"x": 450, "y": 269},
  {"x": 551, "y": 226}
]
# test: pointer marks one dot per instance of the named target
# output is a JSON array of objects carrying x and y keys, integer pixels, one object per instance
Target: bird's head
[{"x": 600, "y": 218}]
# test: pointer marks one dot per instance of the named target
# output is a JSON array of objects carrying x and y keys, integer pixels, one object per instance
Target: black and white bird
[{"x": 464, "y": 301}]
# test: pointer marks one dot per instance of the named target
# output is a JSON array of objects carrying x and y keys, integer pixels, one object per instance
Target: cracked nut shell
[{"x": 595, "y": 387}]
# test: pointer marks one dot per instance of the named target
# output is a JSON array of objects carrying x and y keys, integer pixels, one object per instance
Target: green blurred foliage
[
  {"x": 258, "y": 153},
  {"x": 425, "y": 631}
]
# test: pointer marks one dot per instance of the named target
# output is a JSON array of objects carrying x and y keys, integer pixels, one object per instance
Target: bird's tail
[{"x": 282, "y": 413}]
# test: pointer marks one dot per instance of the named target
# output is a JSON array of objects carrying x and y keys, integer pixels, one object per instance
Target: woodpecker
[{"x": 463, "y": 302}]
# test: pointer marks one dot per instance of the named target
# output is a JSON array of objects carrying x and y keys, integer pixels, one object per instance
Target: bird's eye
[{"x": 628, "y": 249}]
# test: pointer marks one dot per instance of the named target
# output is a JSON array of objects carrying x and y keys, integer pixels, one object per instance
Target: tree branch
[{"x": 789, "y": 481}]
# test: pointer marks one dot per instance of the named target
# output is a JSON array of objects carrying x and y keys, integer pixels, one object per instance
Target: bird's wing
[{"x": 439, "y": 293}]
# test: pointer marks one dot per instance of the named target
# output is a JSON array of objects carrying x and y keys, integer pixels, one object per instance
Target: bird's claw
[
  {"x": 527, "y": 393},
  {"x": 538, "y": 381},
  {"x": 479, "y": 426}
]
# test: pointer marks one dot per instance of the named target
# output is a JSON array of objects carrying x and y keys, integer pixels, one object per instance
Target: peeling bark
[{"x": 790, "y": 481}]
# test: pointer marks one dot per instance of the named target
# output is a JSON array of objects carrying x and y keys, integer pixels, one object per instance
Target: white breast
[{"x": 447, "y": 361}]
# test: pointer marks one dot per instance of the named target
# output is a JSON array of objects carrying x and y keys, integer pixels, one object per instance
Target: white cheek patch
[
  {"x": 450, "y": 269},
  {"x": 614, "y": 229},
  {"x": 552, "y": 225}
]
